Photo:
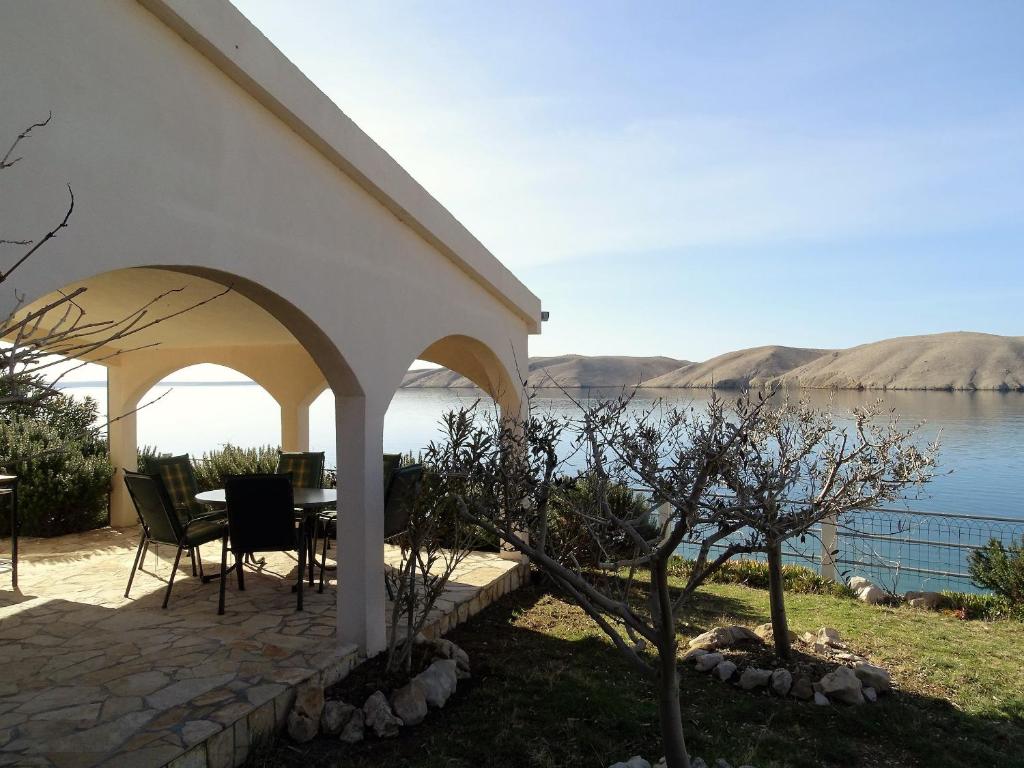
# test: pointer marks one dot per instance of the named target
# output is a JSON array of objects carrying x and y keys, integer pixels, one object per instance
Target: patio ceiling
[{"x": 229, "y": 320}]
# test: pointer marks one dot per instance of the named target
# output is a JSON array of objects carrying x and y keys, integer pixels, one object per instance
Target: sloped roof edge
[{"x": 230, "y": 41}]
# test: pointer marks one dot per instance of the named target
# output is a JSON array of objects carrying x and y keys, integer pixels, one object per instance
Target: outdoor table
[
  {"x": 9, "y": 488},
  {"x": 309, "y": 500}
]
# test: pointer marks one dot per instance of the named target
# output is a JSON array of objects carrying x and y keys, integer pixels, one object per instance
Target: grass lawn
[{"x": 549, "y": 690}]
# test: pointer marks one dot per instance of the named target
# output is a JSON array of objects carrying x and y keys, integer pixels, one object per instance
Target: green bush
[
  {"x": 981, "y": 607},
  {"x": 573, "y": 532},
  {"x": 212, "y": 466},
  {"x": 1000, "y": 568},
  {"x": 754, "y": 573},
  {"x": 61, "y": 460}
]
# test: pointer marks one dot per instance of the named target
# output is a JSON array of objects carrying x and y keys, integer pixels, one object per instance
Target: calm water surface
[{"x": 982, "y": 433}]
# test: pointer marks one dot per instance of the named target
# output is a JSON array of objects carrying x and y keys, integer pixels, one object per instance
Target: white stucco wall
[{"x": 213, "y": 155}]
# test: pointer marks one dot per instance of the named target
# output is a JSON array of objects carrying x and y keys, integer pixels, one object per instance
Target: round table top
[{"x": 304, "y": 498}]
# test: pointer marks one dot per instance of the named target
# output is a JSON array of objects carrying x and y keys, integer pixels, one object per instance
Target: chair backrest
[
  {"x": 400, "y": 497},
  {"x": 180, "y": 481},
  {"x": 154, "y": 507},
  {"x": 391, "y": 462},
  {"x": 306, "y": 469},
  {"x": 261, "y": 513}
]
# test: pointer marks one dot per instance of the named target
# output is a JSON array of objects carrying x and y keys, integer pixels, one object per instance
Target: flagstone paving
[{"x": 90, "y": 678}]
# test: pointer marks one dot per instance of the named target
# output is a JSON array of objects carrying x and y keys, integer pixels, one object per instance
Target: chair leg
[
  {"x": 323, "y": 556},
  {"x": 174, "y": 570},
  {"x": 197, "y": 559},
  {"x": 311, "y": 554},
  {"x": 241, "y": 571},
  {"x": 136, "y": 564},
  {"x": 223, "y": 573},
  {"x": 301, "y": 573},
  {"x": 192, "y": 557},
  {"x": 145, "y": 551}
]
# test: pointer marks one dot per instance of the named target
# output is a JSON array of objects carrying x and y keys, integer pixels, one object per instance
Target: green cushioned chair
[{"x": 161, "y": 524}]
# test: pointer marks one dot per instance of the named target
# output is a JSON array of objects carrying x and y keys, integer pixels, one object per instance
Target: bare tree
[
  {"x": 798, "y": 468},
  {"x": 433, "y": 543},
  {"x": 507, "y": 477},
  {"x": 40, "y": 339}
]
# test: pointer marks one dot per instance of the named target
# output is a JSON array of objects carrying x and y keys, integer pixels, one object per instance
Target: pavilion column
[
  {"x": 294, "y": 425},
  {"x": 513, "y": 410},
  {"x": 122, "y": 441},
  {"x": 361, "y": 603}
]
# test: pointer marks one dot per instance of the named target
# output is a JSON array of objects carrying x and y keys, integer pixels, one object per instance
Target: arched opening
[{"x": 225, "y": 407}]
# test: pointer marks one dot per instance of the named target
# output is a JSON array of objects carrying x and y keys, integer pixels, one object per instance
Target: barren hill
[
  {"x": 738, "y": 370},
  {"x": 570, "y": 371},
  {"x": 950, "y": 361}
]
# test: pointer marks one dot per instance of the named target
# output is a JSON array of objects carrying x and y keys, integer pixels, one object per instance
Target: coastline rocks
[
  {"x": 708, "y": 661},
  {"x": 304, "y": 718},
  {"x": 842, "y": 685},
  {"x": 782, "y": 681},
  {"x": 753, "y": 677},
  {"x": 873, "y": 677},
  {"x": 379, "y": 717}
]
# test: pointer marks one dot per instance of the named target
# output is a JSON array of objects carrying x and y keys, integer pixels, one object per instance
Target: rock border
[
  {"x": 853, "y": 681},
  {"x": 380, "y": 716}
]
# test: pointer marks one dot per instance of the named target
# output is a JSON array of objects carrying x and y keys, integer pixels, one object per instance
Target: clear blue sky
[{"x": 689, "y": 178}]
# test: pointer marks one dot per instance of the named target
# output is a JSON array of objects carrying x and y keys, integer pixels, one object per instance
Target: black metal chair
[
  {"x": 327, "y": 521},
  {"x": 261, "y": 518},
  {"x": 398, "y": 505},
  {"x": 306, "y": 469},
  {"x": 161, "y": 525},
  {"x": 179, "y": 478}
]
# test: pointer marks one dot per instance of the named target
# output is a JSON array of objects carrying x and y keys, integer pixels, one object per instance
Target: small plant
[{"x": 1000, "y": 568}]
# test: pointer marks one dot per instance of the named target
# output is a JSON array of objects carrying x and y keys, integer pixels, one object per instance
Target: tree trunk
[
  {"x": 669, "y": 711},
  {"x": 777, "y": 601}
]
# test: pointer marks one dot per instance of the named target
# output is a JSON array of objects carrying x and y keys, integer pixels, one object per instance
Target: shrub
[
  {"x": 212, "y": 466},
  {"x": 1000, "y": 568},
  {"x": 754, "y": 573},
  {"x": 61, "y": 459},
  {"x": 981, "y": 607},
  {"x": 571, "y": 532}
]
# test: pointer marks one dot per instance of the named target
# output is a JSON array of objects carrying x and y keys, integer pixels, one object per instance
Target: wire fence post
[{"x": 829, "y": 546}]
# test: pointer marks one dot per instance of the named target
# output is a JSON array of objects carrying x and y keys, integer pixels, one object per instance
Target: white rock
[
  {"x": 410, "y": 703},
  {"x": 709, "y": 661},
  {"x": 694, "y": 653},
  {"x": 334, "y": 717},
  {"x": 722, "y": 763},
  {"x": 698, "y": 763},
  {"x": 379, "y": 717},
  {"x": 439, "y": 681},
  {"x": 724, "y": 637},
  {"x": 809, "y": 637},
  {"x": 309, "y": 701},
  {"x": 859, "y": 582},
  {"x": 821, "y": 699},
  {"x": 930, "y": 600},
  {"x": 753, "y": 677},
  {"x": 871, "y": 595},
  {"x": 634, "y": 762},
  {"x": 725, "y": 670},
  {"x": 354, "y": 730},
  {"x": 300, "y": 727},
  {"x": 875, "y": 677},
  {"x": 782, "y": 681},
  {"x": 870, "y": 694},
  {"x": 829, "y": 636},
  {"x": 842, "y": 685}
]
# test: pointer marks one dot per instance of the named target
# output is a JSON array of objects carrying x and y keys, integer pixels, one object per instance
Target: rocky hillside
[
  {"x": 738, "y": 370},
  {"x": 947, "y": 361}
]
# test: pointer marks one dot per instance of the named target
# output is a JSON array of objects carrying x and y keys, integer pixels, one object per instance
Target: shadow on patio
[{"x": 91, "y": 678}]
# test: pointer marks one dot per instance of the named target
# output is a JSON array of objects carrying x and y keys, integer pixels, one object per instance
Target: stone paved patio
[{"x": 89, "y": 678}]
